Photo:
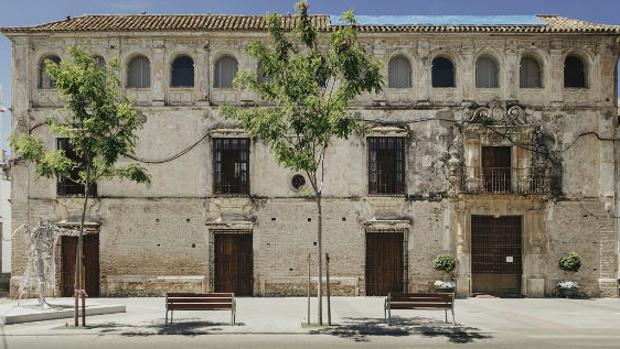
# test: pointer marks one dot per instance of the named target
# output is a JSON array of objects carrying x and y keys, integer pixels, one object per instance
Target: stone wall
[{"x": 157, "y": 238}]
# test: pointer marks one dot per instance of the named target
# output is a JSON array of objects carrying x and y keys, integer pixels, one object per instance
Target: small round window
[{"x": 298, "y": 181}]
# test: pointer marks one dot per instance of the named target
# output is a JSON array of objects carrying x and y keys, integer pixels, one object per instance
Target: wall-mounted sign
[{"x": 509, "y": 259}]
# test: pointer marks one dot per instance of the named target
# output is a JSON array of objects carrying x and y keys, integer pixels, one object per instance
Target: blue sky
[{"x": 29, "y": 12}]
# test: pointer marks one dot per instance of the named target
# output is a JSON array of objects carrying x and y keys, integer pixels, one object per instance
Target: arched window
[
  {"x": 530, "y": 73},
  {"x": 574, "y": 72},
  {"x": 399, "y": 72},
  {"x": 45, "y": 81},
  {"x": 442, "y": 72},
  {"x": 225, "y": 71},
  {"x": 487, "y": 73},
  {"x": 182, "y": 72},
  {"x": 139, "y": 73},
  {"x": 99, "y": 62},
  {"x": 261, "y": 74}
]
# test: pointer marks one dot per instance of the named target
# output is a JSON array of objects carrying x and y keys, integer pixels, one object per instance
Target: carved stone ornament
[{"x": 498, "y": 112}]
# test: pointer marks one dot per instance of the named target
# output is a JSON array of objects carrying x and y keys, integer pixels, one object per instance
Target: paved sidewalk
[{"x": 359, "y": 319}]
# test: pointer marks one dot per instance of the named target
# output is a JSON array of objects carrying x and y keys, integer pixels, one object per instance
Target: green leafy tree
[
  {"x": 308, "y": 89},
  {"x": 100, "y": 126}
]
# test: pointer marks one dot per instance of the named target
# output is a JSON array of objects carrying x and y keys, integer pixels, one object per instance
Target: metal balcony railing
[{"x": 503, "y": 180}]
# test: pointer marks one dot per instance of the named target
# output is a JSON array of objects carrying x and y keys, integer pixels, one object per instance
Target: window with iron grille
[
  {"x": 386, "y": 165},
  {"x": 66, "y": 186},
  {"x": 231, "y": 166}
]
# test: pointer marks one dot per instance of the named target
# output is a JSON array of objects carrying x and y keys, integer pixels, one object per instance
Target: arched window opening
[
  {"x": 99, "y": 62},
  {"x": 442, "y": 72},
  {"x": 45, "y": 81},
  {"x": 261, "y": 74},
  {"x": 225, "y": 71},
  {"x": 487, "y": 73},
  {"x": 182, "y": 72},
  {"x": 574, "y": 72},
  {"x": 139, "y": 73},
  {"x": 530, "y": 73},
  {"x": 399, "y": 72}
]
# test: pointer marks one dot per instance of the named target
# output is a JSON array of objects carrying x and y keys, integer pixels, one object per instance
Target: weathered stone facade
[{"x": 160, "y": 238}]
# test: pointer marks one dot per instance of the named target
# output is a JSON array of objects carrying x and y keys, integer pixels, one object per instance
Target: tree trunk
[
  {"x": 78, "y": 260},
  {"x": 320, "y": 259}
]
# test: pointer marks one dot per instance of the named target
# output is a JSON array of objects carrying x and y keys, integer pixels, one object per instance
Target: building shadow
[{"x": 360, "y": 329}]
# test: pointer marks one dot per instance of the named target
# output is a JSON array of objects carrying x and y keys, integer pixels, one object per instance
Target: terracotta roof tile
[{"x": 182, "y": 23}]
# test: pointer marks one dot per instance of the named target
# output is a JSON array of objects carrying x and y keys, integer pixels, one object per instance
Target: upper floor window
[
  {"x": 225, "y": 71},
  {"x": 386, "y": 165},
  {"x": 574, "y": 72},
  {"x": 399, "y": 72},
  {"x": 261, "y": 74},
  {"x": 182, "y": 72},
  {"x": 530, "y": 73},
  {"x": 442, "y": 72},
  {"x": 45, "y": 81},
  {"x": 487, "y": 73},
  {"x": 139, "y": 73},
  {"x": 231, "y": 166},
  {"x": 99, "y": 62},
  {"x": 67, "y": 186}
]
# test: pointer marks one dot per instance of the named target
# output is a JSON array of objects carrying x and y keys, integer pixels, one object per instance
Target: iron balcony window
[
  {"x": 231, "y": 166},
  {"x": 66, "y": 186},
  {"x": 386, "y": 165},
  {"x": 497, "y": 169}
]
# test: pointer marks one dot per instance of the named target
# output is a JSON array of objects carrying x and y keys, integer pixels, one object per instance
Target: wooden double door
[
  {"x": 496, "y": 255},
  {"x": 233, "y": 263},
  {"x": 384, "y": 262},
  {"x": 90, "y": 264}
]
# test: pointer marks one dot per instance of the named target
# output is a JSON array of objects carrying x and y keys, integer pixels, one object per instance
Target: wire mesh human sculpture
[{"x": 40, "y": 270}]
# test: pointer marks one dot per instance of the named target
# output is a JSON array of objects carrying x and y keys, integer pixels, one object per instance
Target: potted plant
[
  {"x": 446, "y": 264},
  {"x": 569, "y": 263}
]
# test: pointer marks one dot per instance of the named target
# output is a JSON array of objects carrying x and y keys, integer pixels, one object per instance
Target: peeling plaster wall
[{"x": 157, "y": 238}]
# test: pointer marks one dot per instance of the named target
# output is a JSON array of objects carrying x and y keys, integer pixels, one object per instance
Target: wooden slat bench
[
  {"x": 418, "y": 300},
  {"x": 200, "y": 301}
]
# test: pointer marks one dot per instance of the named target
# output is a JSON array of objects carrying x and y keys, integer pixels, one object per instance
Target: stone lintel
[
  {"x": 229, "y": 133},
  {"x": 381, "y": 224}
]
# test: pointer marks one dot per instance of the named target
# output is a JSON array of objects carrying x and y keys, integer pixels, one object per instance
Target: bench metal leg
[
  {"x": 166, "y": 317},
  {"x": 171, "y": 314},
  {"x": 453, "y": 320},
  {"x": 233, "y": 311},
  {"x": 446, "y": 315},
  {"x": 389, "y": 311}
]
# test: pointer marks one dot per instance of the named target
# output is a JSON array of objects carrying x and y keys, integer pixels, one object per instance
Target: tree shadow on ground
[
  {"x": 185, "y": 327},
  {"x": 360, "y": 329}
]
